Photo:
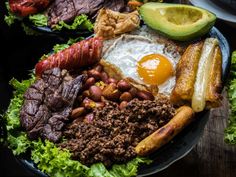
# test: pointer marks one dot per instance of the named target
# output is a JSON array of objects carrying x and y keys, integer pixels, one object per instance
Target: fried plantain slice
[
  {"x": 203, "y": 74},
  {"x": 213, "y": 96},
  {"x": 186, "y": 73}
]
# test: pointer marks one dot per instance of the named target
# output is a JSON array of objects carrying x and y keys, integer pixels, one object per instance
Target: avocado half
[{"x": 177, "y": 21}]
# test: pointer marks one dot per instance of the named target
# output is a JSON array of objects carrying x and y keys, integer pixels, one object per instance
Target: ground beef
[
  {"x": 113, "y": 133},
  {"x": 48, "y": 104},
  {"x": 67, "y": 10}
]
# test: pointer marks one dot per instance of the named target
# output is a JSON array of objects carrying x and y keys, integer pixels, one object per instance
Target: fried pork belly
[{"x": 109, "y": 23}]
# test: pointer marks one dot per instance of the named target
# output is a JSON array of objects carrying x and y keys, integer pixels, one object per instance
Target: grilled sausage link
[
  {"x": 81, "y": 54},
  {"x": 163, "y": 135}
]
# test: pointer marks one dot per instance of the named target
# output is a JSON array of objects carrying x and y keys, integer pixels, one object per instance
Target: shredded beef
[
  {"x": 113, "y": 133},
  {"x": 48, "y": 104},
  {"x": 67, "y": 10}
]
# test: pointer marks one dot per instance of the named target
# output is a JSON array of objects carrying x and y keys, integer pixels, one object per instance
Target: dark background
[{"x": 20, "y": 52}]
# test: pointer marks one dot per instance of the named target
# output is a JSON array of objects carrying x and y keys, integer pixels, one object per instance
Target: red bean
[
  {"x": 123, "y": 85},
  {"x": 95, "y": 93}
]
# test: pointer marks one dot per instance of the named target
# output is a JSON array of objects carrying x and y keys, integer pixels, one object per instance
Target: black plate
[
  {"x": 231, "y": 4},
  {"x": 183, "y": 143}
]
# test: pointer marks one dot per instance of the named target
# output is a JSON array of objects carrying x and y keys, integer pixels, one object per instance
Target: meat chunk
[
  {"x": 61, "y": 10},
  {"x": 67, "y": 10},
  {"x": 89, "y": 7},
  {"x": 48, "y": 104},
  {"x": 110, "y": 23},
  {"x": 113, "y": 133}
]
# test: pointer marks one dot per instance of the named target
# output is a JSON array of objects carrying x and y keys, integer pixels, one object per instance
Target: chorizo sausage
[{"x": 80, "y": 54}]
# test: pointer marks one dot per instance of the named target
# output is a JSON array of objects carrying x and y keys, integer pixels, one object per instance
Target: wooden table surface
[{"x": 211, "y": 157}]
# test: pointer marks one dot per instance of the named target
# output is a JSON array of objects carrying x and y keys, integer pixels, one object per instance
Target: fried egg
[{"x": 143, "y": 59}]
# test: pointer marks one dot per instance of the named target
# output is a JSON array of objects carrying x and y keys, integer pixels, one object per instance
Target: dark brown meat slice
[
  {"x": 116, "y": 5},
  {"x": 67, "y": 10},
  {"x": 113, "y": 133},
  {"x": 88, "y": 7},
  {"x": 48, "y": 104},
  {"x": 61, "y": 10}
]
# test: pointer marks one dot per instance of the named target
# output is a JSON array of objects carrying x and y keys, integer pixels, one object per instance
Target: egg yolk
[{"x": 154, "y": 69}]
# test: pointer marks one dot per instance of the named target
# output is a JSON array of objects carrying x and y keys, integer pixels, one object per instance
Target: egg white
[{"x": 127, "y": 50}]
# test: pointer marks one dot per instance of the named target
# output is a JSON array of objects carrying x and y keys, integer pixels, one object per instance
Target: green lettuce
[
  {"x": 39, "y": 20},
  {"x": 80, "y": 22},
  {"x": 56, "y": 162},
  {"x": 16, "y": 139},
  {"x": 230, "y": 131},
  {"x": 18, "y": 143},
  {"x": 118, "y": 170}
]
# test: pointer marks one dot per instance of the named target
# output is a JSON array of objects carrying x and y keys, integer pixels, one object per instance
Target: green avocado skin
[{"x": 190, "y": 33}]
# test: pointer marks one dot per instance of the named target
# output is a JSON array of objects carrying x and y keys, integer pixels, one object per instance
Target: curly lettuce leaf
[
  {"x": 19, "y": 143},
  {"x": 39, "y": 19},
  {"x": 56, "y": 162},
  {"x": 118, "y": 170},
  {"x": 10, "y": 19},
  {"x": 98, "y": 170},
  {"x": 230, "y": 131},
  {"x": 129, "y": 169},
  {"x": 16, "y": 139},
  {"x": 80, "y": 22}
]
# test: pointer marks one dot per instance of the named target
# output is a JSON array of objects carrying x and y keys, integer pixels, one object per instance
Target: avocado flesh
[{"x": 177, "y": 21}]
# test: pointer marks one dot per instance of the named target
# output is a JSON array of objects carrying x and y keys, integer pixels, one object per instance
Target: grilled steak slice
[
  {"x": 61, "y": 10},
  {"x": 48, "y": 104},
  {"x": 67, "y": 10}
]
